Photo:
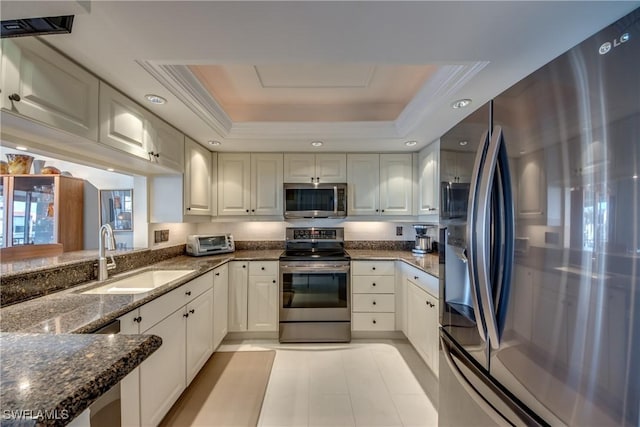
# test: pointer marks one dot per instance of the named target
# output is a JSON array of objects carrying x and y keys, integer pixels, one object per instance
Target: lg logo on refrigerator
[{"x": 606, "y": 47}]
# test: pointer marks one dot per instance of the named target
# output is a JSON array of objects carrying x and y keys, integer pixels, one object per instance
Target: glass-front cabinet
[{"x": 41, "y": 210}]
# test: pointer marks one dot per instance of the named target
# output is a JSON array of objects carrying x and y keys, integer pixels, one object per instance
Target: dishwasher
[{"x": 105, "y": 411}]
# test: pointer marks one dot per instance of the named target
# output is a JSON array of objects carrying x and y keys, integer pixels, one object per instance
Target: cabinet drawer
[
  {"x": 424, "y": 281},
  {"x": 379, "y": 303},
  {"x": 373, "y": 321},
  {"x": 378, "y": 268},
  {"x": 373, "y": 284},
  {"x": 156, "y": 310},
  {"x": 263, "y": 268}
]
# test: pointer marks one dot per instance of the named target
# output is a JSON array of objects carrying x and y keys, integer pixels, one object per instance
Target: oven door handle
[
  {"x": 335, "y": 200},
  {"x": 320, "y": 269}
]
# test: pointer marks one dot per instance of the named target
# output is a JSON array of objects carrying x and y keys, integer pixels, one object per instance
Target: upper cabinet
[
  {"x": 167, "y": 145},
  {"x": 428, "y": 180},
  {"x": 250, "y": 184},
  {"x": 456, "y": 166},
  {"x": 380, "y": 184},
  {"x": 197, "y": 179},
  {"x": 43, "y": 85},
  {"x": 313, "y": 168}
]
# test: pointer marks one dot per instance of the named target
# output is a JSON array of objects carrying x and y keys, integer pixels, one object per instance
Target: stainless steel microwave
[
  {"x": 210, "y": 244},
  {"x": 315, "y": 200}
]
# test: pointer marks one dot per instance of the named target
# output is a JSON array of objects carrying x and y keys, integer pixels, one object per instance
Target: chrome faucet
[{"x": 106, "y": 239}]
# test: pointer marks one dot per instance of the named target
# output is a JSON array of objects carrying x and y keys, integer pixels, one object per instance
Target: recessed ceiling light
[
  {"x": 155, "y": 99},
  {"x": 463, "y": 143},
  {"x": 212, "y": 142},
  {"x": 461, "y": 103},
  {"x": 317, "y": 143},
  {"x": 21, "y": 148},
  {"x": 411, "y": 143},
  {"x": 111, "y": 169}
]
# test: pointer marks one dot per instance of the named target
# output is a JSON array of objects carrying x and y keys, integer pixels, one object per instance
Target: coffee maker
[{"x": 423, "y": 240}]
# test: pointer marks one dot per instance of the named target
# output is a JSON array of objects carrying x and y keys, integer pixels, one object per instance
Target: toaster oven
[{"x": 210, "y": 244}]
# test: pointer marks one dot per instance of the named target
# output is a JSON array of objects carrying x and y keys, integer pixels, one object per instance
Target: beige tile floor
[{"x": 355, "y": 384}]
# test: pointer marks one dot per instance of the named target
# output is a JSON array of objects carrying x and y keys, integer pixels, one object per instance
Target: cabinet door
[
  {"x": 396, "y": 184},
  {"x": 168, "y": 145},
  {"x": 432, "y": 339},
  {"x": 220, "y": 304},
  {"x": 448, "y": 166},
  {"x": 363, "y": 178},
  {"x": 266, "y": 184},
  {"x": 130, "y": 385},
  {"x": 124, "y": 125},
  {"x": 234, "y": 183},
  {"x": 532, "y": 185},
  {"x": 331, "y": 168},
  {"x": 52, "y": 89},
  {"x": 238, "y": 283},
  {"x": 299, "y": 168},
  {"x": 162, "y": 375},
  {"x": 429, "y": 181},
  {"x": 263, "y": 303},
  {"x": 199, "y": 333},
  {"x": 197, "y": 179},
  {"x": 418, "y": 321}
]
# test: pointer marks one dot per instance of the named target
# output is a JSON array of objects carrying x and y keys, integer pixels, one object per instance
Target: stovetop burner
[
  {"x": 304, "y": 255},
  {"x": 314, "y": 244}
]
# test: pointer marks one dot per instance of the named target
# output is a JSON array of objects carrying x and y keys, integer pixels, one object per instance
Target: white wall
[{"x": 177, "y": 234}]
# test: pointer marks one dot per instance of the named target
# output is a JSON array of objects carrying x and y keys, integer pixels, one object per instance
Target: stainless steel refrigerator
[{"x": 540, "y": 291}]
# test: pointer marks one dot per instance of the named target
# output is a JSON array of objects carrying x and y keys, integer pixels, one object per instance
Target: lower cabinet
[
  {"x": 220, "y": 304},
  {"x": 183, "y": 318},
  {"x": 373, "y": 296},
  {"x": 422, "y": 324},
  {"x": 253, "y": 296}
]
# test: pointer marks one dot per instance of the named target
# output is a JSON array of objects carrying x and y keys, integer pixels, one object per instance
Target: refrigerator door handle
[
  {"x": 482, "y": 236},
  {"x": 471, "y": 232}
]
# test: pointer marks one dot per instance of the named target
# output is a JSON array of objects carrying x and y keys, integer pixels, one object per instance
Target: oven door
[{"x": 315, "y": 291}]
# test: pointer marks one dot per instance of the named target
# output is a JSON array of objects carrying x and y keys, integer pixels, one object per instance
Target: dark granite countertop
[
  {"x": 428, "y": 263},
  {"x": 57, "y": 377}
]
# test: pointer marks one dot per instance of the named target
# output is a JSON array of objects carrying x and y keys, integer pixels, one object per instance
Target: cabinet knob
[
  {"x": 382, "y": 210},
  {"x": 192, "y": 311},
  {"x": 374, "y": 321},
  {"x": 311, "y": 179},
  {"x": 188, "y": 209},
  {"x": 317, "y": 179},
  {"x": 374, "y": 303},
  {"x": 262, "y": 268},
  {"x": 188, "y": 293},
  {"x": 244, "y": 266},
  {"x": 415, "y": 277},
  {"x": 253, "y": 210},
  {"x": 137, "y": 319},
  {"x": 274, "y": 281},
  {"x": 14, "y": 97},
  {"x": 373, "y": 284},
  {"x": 247, "y": 210},
  {"x": 377, "y": 210},
  {"x": 373, "y": 268},
  {"x": 185, "y": 315},
  {"x": 217, "y": 274}
]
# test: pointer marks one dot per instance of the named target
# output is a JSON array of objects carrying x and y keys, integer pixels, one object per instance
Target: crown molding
[
  {"x": 445, "y": 82},
  {"x": 305, "y": 130},
  {"x": 184, "y": 85}
]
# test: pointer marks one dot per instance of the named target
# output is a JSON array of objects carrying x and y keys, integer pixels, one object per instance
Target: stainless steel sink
[{"x": 139, "y": 283}]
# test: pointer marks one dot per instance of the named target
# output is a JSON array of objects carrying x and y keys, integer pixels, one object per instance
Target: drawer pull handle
[
  {"x": 188, "y": 293},
  {"x": 192, "y": 311},
  {"x": 137, "y": 319}
]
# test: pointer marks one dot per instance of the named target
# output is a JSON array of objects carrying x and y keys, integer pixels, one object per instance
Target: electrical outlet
[
  {"x": 164, "y": 235},
  {"x": 399, "y": 230},
  {"x": 157, "y": 236}
]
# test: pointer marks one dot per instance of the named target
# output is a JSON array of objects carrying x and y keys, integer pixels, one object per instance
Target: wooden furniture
[{"x": 40, "y": 212}]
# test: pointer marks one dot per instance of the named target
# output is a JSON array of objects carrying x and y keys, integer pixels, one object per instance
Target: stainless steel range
[{"x": 315, "y": 294}]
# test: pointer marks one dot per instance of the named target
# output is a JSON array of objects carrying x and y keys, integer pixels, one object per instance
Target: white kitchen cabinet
[
  {"x": 250, "y": 184},
  {"x": 162, "y": 375},
  {"x": 532, "y": 195},
  {"x": 183, "y": 318},
  {"x": 262, "y": 307},
  {"x": 428, "y": 180},
  {"x": 422, "y": 324},
  {"x": 167, "y": 145},
  {"x": 311, "y": 168},
  {"x": 200, "y": 334},
  {"x": 198, "y": 172},
  {"x": 373, "y": 303},
  {"x": 363, "y": 179},
  {"x": 124, "y": 125},
  {"x": 380, "y": 184},
  {"x": 220, "y": 304},
  {"x": 456, "y": 166},
  {"x": 39, "y": 83},
  {"x": 238, "y": 290}
]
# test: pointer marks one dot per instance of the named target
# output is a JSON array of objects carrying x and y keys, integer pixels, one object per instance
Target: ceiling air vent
[{"x": 37, "y": 26}]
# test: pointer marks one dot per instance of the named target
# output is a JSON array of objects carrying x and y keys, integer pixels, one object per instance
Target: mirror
[{"x": 116, "y": 209}]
